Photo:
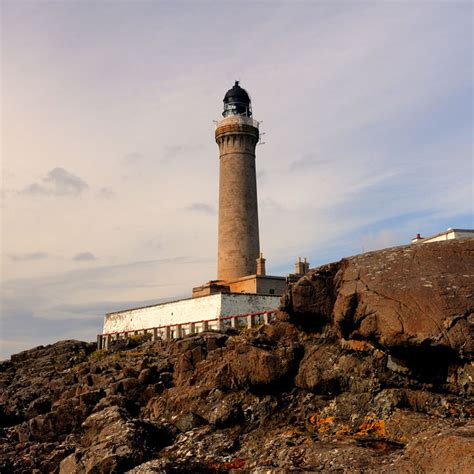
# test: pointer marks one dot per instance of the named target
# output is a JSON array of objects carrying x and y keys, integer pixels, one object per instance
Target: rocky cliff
[{"x": 369, "y": 368}]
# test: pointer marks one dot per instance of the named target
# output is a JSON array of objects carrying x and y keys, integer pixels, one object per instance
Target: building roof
[
  {"x": 445, "y": 232},
  {"x": 237, "y": 95}
]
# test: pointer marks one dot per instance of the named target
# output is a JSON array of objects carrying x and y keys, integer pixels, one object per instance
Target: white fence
[{"x": 174, "y": 331}]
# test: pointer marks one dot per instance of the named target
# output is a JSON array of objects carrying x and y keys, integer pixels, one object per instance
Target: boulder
[
  {"x": 449, "y": 451},
  {"x": 114, "y": 442},
  {"x": 417, "y": 297}
]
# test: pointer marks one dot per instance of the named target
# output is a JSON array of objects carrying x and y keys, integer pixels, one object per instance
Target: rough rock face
[
  {"x": 400, "y": 298},
  {"x": 345, "y": 381},
  {"x": 114, "y": 441}
]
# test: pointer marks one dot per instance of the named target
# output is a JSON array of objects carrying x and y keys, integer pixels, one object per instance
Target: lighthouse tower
[
  {"x": 237, "y": 135},
  {"x": 240, "y": 264},
  {"x": 242, "y": 286}
]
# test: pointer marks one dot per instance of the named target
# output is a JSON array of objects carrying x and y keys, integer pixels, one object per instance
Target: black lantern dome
[{"x": 237, "y": 102}]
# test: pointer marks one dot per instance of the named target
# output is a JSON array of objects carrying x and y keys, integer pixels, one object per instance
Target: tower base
[{"x": 250, "y": 284}]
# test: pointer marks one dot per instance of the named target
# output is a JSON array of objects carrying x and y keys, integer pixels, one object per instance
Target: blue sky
[{"x": 109, "y": 166}]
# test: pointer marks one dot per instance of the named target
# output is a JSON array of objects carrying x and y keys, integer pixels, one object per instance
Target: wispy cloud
[
  {"x": 93, "y": 308},
  {"x": 29, "y": 256},
  {"x": 42, "y": 331},
  {"x": 202, "y": 208},
  {"x": 84, "y": 257},
  {"x": 58, "y": 182},
  {"x": 106, "y": 193},
  {"x": 307, "y": 161},
  {"x": 173, "y": 152},
  {"x": 133, "y": 159},
  {"x": 381, "y": 239},
  {"x": 270, "y": 204}
]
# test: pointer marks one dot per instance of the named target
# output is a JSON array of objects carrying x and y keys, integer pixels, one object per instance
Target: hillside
[{"x": 368, "y": 368}]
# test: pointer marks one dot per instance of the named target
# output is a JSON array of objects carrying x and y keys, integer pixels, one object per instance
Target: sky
[{"x": 109, "y": 168}]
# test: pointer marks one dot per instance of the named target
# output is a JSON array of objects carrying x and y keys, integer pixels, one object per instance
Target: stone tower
[{"x": 237, "y": 135}]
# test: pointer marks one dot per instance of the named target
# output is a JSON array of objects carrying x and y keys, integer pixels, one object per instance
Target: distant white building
[
  {"x": 189, "y": 311},
  {"x": 446, "y": 235}
]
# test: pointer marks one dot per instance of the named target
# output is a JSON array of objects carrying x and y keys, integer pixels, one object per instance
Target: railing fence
[{"x": 174, "y": 331}]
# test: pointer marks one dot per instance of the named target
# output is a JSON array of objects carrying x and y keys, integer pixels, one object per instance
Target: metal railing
[
  {"x": 174, "y": 331},
  {"x": 230, "y": 119}
]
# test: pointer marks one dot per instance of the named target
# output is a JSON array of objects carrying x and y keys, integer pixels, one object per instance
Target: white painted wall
[
  {"x": 463, "y": 234},
  {"x": 188, "y": 310},
  {"x": 449, "y": 235},
  {"x": 235, "y": 303}
]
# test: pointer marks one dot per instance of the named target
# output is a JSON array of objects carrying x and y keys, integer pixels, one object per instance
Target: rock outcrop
[
  {"x": 369, "y": 368},
  {"x": 417, "y": 296}
]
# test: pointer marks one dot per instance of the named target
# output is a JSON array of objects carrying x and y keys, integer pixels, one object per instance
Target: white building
[
  {"x": 446, "y": 235},
  {"x": 191, "y": 310}
]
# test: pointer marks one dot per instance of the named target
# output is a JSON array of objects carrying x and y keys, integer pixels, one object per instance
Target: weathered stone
[
  {"x": 145, "y": 376},
  {"x": 225, "y": 412},
  {"x": 405, "y": 297},
  {"x": 38, "y": 406},
  {"x": 130, "y": 372},
  {"x": 188, "y": 422},
  {"x": 449, "y": 451},
  {"x": 113, "y": 441},
  {"x": 92, "y": 398}
]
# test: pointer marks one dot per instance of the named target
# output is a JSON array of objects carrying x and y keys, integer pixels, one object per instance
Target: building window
[{"x": 272, "y": 291}]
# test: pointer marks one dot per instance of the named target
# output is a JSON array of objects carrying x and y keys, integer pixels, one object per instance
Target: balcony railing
[
  {"x": 175, "y": 331},
  {"x": 237, "y": 119}
]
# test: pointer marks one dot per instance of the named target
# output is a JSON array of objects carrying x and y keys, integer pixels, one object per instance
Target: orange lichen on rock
[
  {"x": 356, "y": 345},
  {"x": 324, "y": 421},
  {"x": 372, "y": 426},
  {"x": 319, "y": 422},
  {"x": 343, "y": 430}
]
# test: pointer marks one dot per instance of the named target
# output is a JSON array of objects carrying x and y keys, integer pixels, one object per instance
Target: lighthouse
[
  {"x": 242, "y": 286},
  {"x": 241, "y": 267},
  {"x": 237, "y": 135}
]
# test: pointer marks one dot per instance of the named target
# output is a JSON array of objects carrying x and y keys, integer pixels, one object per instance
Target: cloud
[
  {"x": 72, "y": 304},
  {"x": 306, "y": 162},
  {"x": 42, "y": 331},
  {"x": 201, "y": 207},
  {"x": 381, "y": 239},
  {"x": 270, "y": 204},
  {"x": 172, "y": 152},
  {"x": 29, "y": 256},
  {"x": 133, "y": 159},
  {"x": 105, "y": 193},
  {"x": 155, "y": 243},
  {"x": 58, "y": 182},
  {"x": 84, "y": 256},
  {"x": 102, "y": 307}
]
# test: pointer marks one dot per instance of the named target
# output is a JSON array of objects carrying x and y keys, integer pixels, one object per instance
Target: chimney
[
  {"x": 299, "y": 267},
  {"x": 261, "y": 265}
]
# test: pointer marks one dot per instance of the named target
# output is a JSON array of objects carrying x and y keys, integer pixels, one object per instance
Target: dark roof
[{"x": 237, "y": 94}]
